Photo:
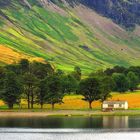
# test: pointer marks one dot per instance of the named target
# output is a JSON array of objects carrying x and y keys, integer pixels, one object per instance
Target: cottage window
[
  {"x": 120, "y": 105},
  {"x": 110, "y": 106}
]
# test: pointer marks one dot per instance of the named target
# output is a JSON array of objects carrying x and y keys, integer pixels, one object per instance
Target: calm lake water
[
  {"x": 101, "y": 122},
  {"x": 70, "y": 128}
]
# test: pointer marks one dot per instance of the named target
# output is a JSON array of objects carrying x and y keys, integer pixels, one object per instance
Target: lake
[{"x": 70, "y": 128}]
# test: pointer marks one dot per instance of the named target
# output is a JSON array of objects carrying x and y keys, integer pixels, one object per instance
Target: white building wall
[
  {"x": 117, "y": 106},
  {"x": 126, "y": 105},
  {"x": 105, "y": 105}
]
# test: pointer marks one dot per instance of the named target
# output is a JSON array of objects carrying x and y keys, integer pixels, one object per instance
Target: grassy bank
[{"x": 65, "y": 113}]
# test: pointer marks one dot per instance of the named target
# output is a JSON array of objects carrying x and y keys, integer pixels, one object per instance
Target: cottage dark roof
[{"x": 114, "y": 102}]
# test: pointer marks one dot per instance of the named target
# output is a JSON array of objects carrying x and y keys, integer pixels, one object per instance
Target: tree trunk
[
  {"x": 90, "y": 106},
  {"x": 131, "y": 89},
  {"x": 28, "y": 95},
  {"x": 10, "y": 106},
  {"x": 52, "y": 106},
  {"x": 41, "y": 105},
  {"x": 28, "y": 100},
  {"x": 32, "y": 100}
]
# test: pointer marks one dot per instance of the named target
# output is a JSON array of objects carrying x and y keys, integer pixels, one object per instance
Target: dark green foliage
[
  {"x": 69, "y": 84},
  {"x": 60, "y": 72},
  {"x": 2, "y": 72},
  {"x": 14, "y": 68},
  {"x": 42, "y": 92},
  {"x": 2, "y": 75},
  {"x": 90, "y": 89},
  {"x": 30, "y": 88},
  {"x": 98, "y": 74},
  {"x": 121, "y": 82},
  {"x": 54, "y": 87},
  {"x": 135, "y": 69},
  {"x": 132, "y": 80},
  {"x": 132, "y": 75},
  {"x": 116, "y": 69},
  {"x": 12, "y": 89},
  {"x": 77, "y": 73},
  {"x": 41, "y": 70},
  {"x": 107, "y": 85},
  {"x": 24, "y": 65}
]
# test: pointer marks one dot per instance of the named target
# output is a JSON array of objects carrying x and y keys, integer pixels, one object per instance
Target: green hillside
[{"x": 60, "y": 36}]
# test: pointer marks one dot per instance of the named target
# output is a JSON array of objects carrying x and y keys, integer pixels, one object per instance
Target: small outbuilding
[{"x": 112, "y": 105}]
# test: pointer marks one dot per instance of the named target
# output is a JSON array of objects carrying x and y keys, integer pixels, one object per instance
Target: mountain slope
[{"x": 65, "y": 35}]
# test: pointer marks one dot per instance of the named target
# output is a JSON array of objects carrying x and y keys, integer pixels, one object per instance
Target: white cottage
[{"x": 111, "y": 105}]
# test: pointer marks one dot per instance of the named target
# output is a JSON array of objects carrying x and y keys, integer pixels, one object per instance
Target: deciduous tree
[
  {"x": 132, "y": 80},
  {"x": 121, "y": 82},
  {"x": 90, "y": 89},
  {"x": 30, "y": 87},
  {"x": 12, "y": 89},
  {"x": 55, "y": 94}
]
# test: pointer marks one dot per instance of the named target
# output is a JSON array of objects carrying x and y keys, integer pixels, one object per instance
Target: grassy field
[
  {"x": 9, "y": 56},
  {"x": 73, "y": 102}
]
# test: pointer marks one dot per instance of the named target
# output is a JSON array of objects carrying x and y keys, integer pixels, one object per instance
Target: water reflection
[
  {"x": 97, "y": 128},
  {"x": 116, "y": 122},
  {"x": 72, "y": 122}
]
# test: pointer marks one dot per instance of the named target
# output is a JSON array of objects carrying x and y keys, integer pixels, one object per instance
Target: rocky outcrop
[
  {"x": 4, "y": 3},
  {"x": 26, "y": 3},
  {"x": 126, "y": 13},
  {"x": 123, "y": 12}
]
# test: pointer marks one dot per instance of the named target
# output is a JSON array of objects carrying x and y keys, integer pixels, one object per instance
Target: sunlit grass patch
[{"x": 8, "y": 55}]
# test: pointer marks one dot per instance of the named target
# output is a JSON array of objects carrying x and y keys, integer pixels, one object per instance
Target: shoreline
[{"x": 67, "y": 113}]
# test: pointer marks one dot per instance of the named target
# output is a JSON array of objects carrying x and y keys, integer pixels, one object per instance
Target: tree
[
  {"x": 24, "y": 65},
  {"x": 42, "y": 92},
  {"x": 135, "y": 69},
  {"x": 41, "y": 70},
  {"x": 14, "y": 68},
  {"x": 115, "y": 69},
  {"x": 90, "y": 89},
  {"x": 2, "y": 76},
  {"x": 77, "y": 73},
  {"x": 30, "y": 87},
  {"x": 12, "y": 89},
  {"x": 132, "y": 80},
  {"x": 99, "y": 73},
  {"x": 106, "y": 86},
  {"x": 54, "y": 94},
  {"x": 68, "y": 83},
  {"x": 60, "y": 72},
  {"x": 121, "y": 82}
]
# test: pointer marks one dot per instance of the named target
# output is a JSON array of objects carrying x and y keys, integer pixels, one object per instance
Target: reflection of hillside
[
  {"x": 51, "y": 122},
  {"x": 134, "y": 122},
  {"x": 81, "y": 122},
  {"x": 115, "y": 122}
]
